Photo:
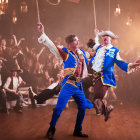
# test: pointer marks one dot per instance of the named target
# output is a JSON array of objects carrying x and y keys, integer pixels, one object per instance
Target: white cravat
[{"x": 98, "y": 59}]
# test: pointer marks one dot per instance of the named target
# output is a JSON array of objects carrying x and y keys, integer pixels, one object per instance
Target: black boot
[
  {"x": 18, "y": 109},
  {"x": 98, "y": 104},
  {"x": 32, "y": 98},
  {"x": 50, "y": 133},
  {"x": 79, "y": 134},
  {"x": 108, "y": 110}
]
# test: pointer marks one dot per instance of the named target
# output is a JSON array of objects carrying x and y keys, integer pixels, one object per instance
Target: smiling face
[{"x": 107, "y": 40}]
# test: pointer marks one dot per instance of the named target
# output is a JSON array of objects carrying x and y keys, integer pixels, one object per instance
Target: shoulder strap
[{"x": 11, "y": 84}]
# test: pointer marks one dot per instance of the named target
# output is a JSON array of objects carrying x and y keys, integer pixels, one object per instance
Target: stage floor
[{"x": 32, "y": 124}]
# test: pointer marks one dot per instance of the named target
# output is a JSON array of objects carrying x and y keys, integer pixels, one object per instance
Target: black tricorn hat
[{"x": 16, "y": 67}]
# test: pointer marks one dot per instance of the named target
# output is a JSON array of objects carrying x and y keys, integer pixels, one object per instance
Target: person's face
[
  {"x": 3, "y": 42},
  {"x": 14, "y": 73},
  {"x": 74, "y": 44},
  {"x": 107, "y": 40},
  {"x": 11, "y": 41}
]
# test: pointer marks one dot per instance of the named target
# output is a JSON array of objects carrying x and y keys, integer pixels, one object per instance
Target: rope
[
  {"x": 94, "y": 14},
  {"x": 109, "y": 16},
  {"x": 38, "y": 16}
]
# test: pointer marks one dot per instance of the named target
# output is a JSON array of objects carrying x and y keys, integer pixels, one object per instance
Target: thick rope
[
  {"x": 109, "y": 16},
  {"x": 94, "y": 14},
  {"x": 38, "y": 16}
]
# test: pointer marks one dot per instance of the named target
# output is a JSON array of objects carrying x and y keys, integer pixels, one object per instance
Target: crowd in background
[{"x": 40, "y": 67}]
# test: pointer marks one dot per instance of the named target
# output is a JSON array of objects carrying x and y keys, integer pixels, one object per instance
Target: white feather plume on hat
[{"x": 108, "y": 33}]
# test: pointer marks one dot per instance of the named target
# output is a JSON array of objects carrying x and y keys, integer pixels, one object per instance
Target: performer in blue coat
[
  {"x": 101, "y": 66},
  {"x": 75, "y": 68}
]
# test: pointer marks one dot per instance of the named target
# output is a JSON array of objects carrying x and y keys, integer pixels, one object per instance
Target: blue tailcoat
[
  {"x": 110, "y": 57},
  {"x": 71, "y": 62},
  {"x": 68, "y": 90}
]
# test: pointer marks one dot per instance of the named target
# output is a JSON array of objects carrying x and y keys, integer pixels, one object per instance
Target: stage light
[
  {"x": 129, "y": 21},
  {"x": 23, "y": 7},
  {"x": 118, "y": 11},
  {"x": 14, "y": 20},
  {"x": 3, "y": 6}
]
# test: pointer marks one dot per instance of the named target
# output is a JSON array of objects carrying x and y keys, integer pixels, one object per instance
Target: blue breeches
[{"x": 66, "y": 92}]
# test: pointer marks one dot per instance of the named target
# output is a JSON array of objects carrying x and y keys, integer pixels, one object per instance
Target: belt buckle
[
  {"x": 96, "y": 74},
  {"x": 78, "y": 79}
]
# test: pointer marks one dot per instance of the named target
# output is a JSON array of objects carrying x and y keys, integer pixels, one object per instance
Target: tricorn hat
[
  {"x": 16, "y": 67},
  {"x": 108, "y": 33}
]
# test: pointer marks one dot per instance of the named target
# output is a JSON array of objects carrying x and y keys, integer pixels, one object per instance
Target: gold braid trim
[
  {"x": 68, "y": 71},
  {"x": 71, "y": 82}
]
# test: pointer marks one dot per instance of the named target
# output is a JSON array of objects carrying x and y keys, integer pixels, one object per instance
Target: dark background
[
  {"x": 78, "y": 18},
  {"x": 69, "y": 17}
]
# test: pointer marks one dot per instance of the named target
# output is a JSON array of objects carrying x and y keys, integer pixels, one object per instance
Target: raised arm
[
  {"x": 41, "y": 51},
  {"x": 3, "y": 59},
  {"x": 15, "y": 40},
  {"x": 96, "y": 39},
  {"x": 19, "y": 42},
  {"x": 44, "y": 39}
]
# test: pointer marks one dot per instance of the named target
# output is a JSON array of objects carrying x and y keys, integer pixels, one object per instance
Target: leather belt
[
  {"x": 76, "y": 79},
  {"x": 95, "y": 74}
]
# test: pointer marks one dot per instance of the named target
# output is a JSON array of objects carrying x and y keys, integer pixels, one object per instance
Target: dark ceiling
[{"x": 71, "y": 18}]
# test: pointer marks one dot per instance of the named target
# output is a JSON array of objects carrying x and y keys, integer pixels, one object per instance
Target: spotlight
[
  {"x": 118, "y": 11},
  {"x": 129, "y": 21},
  {"x": 23, "y": 7},
  {"x": 3, "y": 6},
  {"x": 14, "y": 20}
]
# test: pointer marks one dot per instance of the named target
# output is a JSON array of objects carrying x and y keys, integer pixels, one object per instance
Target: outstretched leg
[
  {"x": 63, "y": 98},
  {"x": 81, "y": 103}
]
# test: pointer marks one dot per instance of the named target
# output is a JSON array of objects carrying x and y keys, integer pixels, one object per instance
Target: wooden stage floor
[{"x": 32, "y": 124}]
